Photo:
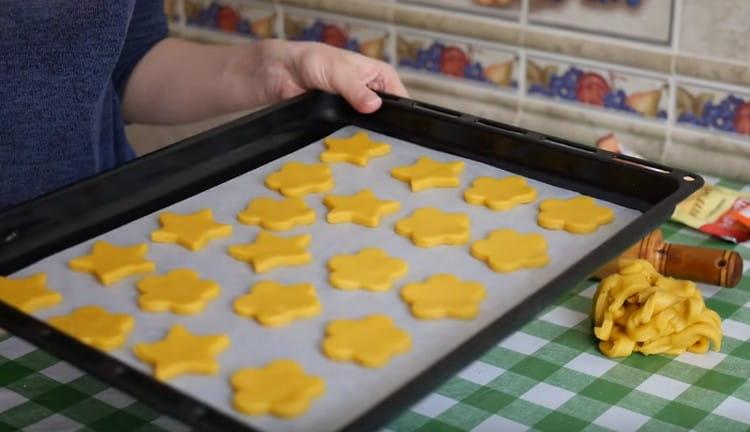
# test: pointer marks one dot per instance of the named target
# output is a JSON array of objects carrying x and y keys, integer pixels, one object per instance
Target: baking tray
[{"x": 225, "y": 167}]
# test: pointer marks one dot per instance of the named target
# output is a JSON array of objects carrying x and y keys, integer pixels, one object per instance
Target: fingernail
[{"x": 372, "y": 99}]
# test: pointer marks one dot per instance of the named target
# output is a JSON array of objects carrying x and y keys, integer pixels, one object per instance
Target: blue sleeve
[{"x": 148, "y": 26}]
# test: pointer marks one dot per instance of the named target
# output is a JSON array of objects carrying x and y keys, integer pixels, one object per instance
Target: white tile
[
  {"x": 13, "y": 348},
  {"x": 481, "y": 373},
  {"x": 170, "y": 424},
  {"x": 736, "y": 329},
  {"x": 735, "y": 409},
  {"x": 495, "y": 423},
  {"x": 706, "y": 361},
  {"x": 707, "y": 290},
  {"x": 62, "y": 372},
  {"x": 589, "y": 364},
  {"x": 666, "y": 388},
  {"x": 589, "y": 292},
  {"x": 55, "y": 422},
  {"x": 9, "y": 399},
  {"x": 433, "y": 405},
  {"x": 745, "y": 266},
  {"x": 523, "y": 343},
  {"x": 114, "y": 397},
  {"x": 548, "y": 396},
  {"x": 624, "y": 420},
  {"x": 564, "y": 317}
]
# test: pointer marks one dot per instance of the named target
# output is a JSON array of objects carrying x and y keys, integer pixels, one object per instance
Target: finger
[
  {"x": 347, "y": 83},
  {"x": 393, "y": 84}
]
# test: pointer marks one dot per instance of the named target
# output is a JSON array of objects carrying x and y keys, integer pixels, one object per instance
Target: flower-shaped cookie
[
  {"x": 110, "y": 263},
  {"x": 579, "y": 215},
  {"x": 362, "y": 208},
  {"x": 270, "y": 251},
  {"x": 280, "y": 388},
  {"x": 427, "y": 173},
  {"x": 182, "y": 353},
  {"x": 428, "y": 227},
  {"x": 28, "y": 294},
  {"x": 191, "y": 231},
  {"x": 500, "y": 194},
  {"x": 370, "y": 341},
  {"x": 277, "y": 215},
  {"x": 444, "y": 296},
  {"x": 273, "y": 304},
  {"x": 357, "y": 149},
  {"x": 95, "y": 326},
  {"x": 370, "y": 269},
  {"x": 296, "y": 179},
  {"x": 506, "y": 250},
  {"x": 180, "y": 291}
]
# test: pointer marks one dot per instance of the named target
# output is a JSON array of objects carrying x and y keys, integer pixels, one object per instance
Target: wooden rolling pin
[{"x": 706, "y": 265}]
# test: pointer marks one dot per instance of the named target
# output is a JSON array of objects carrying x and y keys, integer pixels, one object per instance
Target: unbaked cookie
[
  {"x": 95, "y": 326},
  {"x": 444, "y": 296},
  {"x": 579, "y": 215},
  {"x": 28, "y": 294},
  {"x": 296, "y": 179},
  {"x": 427, "y": 173},
  {"x": 273, "y": 304},
  {"x": 370, "y": 341},
  {"x": 182, "y": 353},
  {"x": 191, "y": 231},
  {"x": 428, "y": 227},
  {"x": 357, "y": 149},
  {"x": 181, "y": 291},
  {"x": 269, "y": 251},
  {"x": 277, "y": 215},
  {"x": 111, "y": 264},
  {"x": 371, "y": 269},
  {"x": 362, "y": 208},
  {"x": 280, "y": 388},
  {"x": 500, "y": 194},
  {"x": 506, "y": 250}
]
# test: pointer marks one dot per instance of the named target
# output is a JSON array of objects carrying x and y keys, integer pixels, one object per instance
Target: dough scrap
[
  {"x": 429, "y": 227},
  {"x": 370, "y": 269},
  {"x": 28, "y": 294},
  {"x": 579, "y": 215},
  {"x": 110, "y": 264},
  {"x": 95, "y": 326},
  {"x": 191, "y": 231},
  {"x": 273, "y": 304},
  {"x": 362, "y": 208},
  {"x": 500, "y": 194},
  {"x": 280, "y": 388},
  {"x": 507, "y": 250},
  {"x": 444, "y": 296},
  {"x": 277, "y": 215},
  {"x": 370, "y": 341},
  {"x": 183, "y": 353},
  {"x": 180, "y": 291},
  {"x": 357, "y": 149},
  {"x": 269, "y": 251},
  {"x": 296, "y": 179},
  {"x": 427, "y": 173}
]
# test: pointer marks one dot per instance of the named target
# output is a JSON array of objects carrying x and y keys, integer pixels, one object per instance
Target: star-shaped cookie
[
  {"x": 428, "y": 227},
  {"x": 181, "y": 291},
  {"x": 296, "y": 179},
  {"x": 277, "y": 215},
  {"x": 192, "y": 231},
  {"x": 28, "y": 294},
  {"x": 362, "y": 208},
  {"x": 269, "y": 251},
  {"x": 506, "y": 250},
  {"x": 579, "y": 215},
  {"x": 273, "y": 304},
  {"x": 370, "y": 269},
  {"x": 500, "y": 194},
  {"x": 444, "y": 296},
  {"x": 370, "y": 341},
  {"x": 357, "y": 149},
  {"x": 182, "y": 353},
  {"x": 95, "y": 326},
  {"x": 110, "y": 264},
  {"x": 427, "y": 173}
]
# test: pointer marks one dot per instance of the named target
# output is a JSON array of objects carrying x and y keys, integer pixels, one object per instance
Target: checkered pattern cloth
[{"x": 547, "y": 376}]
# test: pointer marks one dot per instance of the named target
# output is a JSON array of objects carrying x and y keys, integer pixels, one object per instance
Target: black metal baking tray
[{"x": 44, "y": 226}]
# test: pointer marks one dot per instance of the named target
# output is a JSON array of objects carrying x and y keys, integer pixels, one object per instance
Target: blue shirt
[{"x": 63, "y": 69}]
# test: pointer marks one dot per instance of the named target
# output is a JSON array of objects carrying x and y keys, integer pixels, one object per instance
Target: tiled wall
[{"x": 670, "y": 77}]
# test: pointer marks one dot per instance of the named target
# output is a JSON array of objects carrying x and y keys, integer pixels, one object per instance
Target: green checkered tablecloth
[{"x": 548, "y": 376}]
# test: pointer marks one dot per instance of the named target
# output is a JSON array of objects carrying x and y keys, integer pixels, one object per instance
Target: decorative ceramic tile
[
  {"x": 708, "y": 108},
  {"x": 718, "y": 28},
  {"x": 503, "y": 8},
  {"x": 642, "y": 20},
  {"x": 173, "y": 10},
  {"x": 367, "y": 38},
  {"x": 251, "y": 19},
  {"x": 598, "y": 87},
  {"x": 468, "y": 61}
]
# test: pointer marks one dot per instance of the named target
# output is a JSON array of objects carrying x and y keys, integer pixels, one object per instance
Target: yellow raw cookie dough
[
  {"x": 277, "y": 215},
  {"x": 370, "y": 269},
  {"x": 191, "y": 231},
  {"x": 428, "y": 227},
  {"x": 444, "y": 296},
  {"x": 639, "y": 310},
  {"x": 95, "y": 326},
  {"x": 507, "y": 250},
  {"x": 296, "y": 179},
  {"x": 280, "y": 388},
  {"x": 500, "y": 194},
  {"x": 273, "y": 304},
  {"x": 427, "y": 173},
  {"x": 181, "y": 291},
  {"x": 579, "y": 215},
  {"x": 357, "y": 149},
  {"x": 182, "y": 353},
  {"x": 370, "y": 341},
  {"x": 270, "y": 251},
  {"x": 362, "y": 208},
  {"x": 110, "y": 264},
  {"x": 28, "y": 294}
]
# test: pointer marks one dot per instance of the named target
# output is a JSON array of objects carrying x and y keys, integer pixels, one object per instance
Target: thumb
[{"x": 357, "y": 93}]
